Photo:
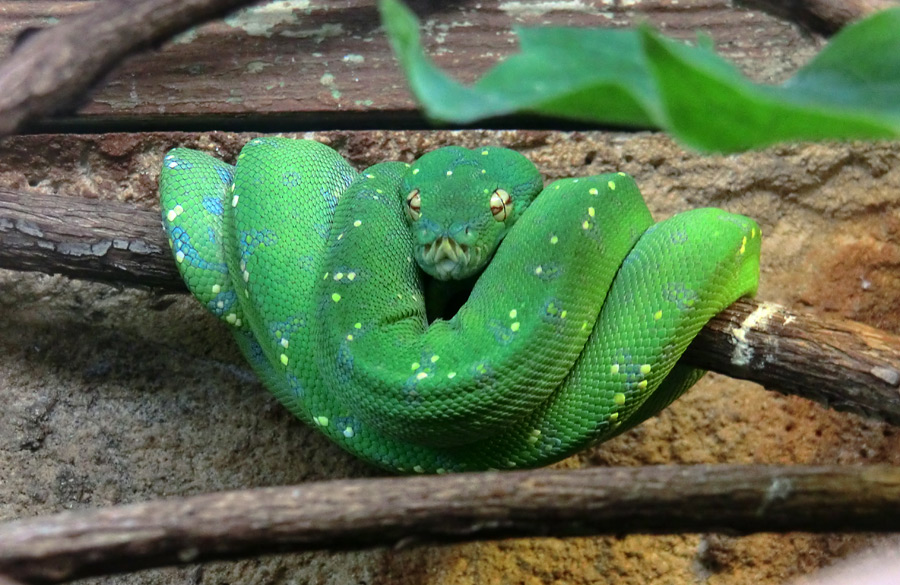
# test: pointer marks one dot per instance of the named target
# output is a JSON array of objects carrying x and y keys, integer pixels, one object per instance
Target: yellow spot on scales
[
  {"x": 621, "y": 174},
  {"x": 614, "y": 417},
  {"x": 614, "y": 369},
  {"x": 322, "y": 421},
  {"x": 554, "y": 240},
  {"x": 357, "y": 223},
  {"x": 539, "y": 270},
  {"x": 350, "y": 337},
  {"x": 586, "y": 225},
  {"x": 421, "y": 376},
  {"x": 611, "y": 185},
  {"x": 357, "y": 325},
  {"x": 449, "y": 173},
  {"x": 335, "y": 297},
  {"x": 285, "y": 343},
  {"x": 435, "y": 358},
  {"x": 484, "y": 152},
  {"x": 657, "y": 315},
  {"x": 483, "y": 171},
  {"x": 593, "y": 191},
  {"x": 451, "y": 375},
  {"x": 284, "y": 359},
  {"x": 234, "y": 201},
  {"x": 351, "y": 276},
  {"x": 591, "y": 211},
  {"x": 619, "y": 398},
  {"x": 513, "y": 314},
  {"x": 415, "y": 171},
  {"x": 216, "y": 289},
  {"x": 645, "y": 369},
  {"x": 231, "y": 318},
  {"x": 514, "y": 327},
  {"x": 743, "y": 244},
  {"x": 415, "y": 366},
  {"x": 642, "y": 384},
  {"x": 338, "y": 275}
]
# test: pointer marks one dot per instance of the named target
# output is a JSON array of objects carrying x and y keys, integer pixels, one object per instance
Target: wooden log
[
  {"x": 353, "y": 514},
  {"x": 843, "y": 365}
]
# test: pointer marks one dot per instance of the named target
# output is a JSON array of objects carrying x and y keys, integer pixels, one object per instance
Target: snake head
[{"x": 460, "y": 203}]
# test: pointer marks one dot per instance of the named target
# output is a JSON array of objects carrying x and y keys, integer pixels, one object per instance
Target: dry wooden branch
[
  {"x": 53, "y": 68},
  {"x": 844, "y": 365},
  {"x": 352, "y": 514},
  {"x": 826, "y": 16}
]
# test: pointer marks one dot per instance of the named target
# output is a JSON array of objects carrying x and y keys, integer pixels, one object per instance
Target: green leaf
[{"x": 640, "y": 78}]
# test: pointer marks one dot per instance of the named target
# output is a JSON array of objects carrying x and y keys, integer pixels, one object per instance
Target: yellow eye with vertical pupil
[
  {"x": 501, "y": 205},
  {"x": 413, "y": 204}
]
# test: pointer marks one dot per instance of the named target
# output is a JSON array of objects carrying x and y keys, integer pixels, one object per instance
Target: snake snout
[{"x": 445, "y": 255}]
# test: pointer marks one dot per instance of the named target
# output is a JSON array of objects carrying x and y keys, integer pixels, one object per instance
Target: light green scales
[{"x": 316, "y": 270}]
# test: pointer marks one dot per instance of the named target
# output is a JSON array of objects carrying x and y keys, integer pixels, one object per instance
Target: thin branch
[
  {"x": 353, "y": 514},
  {"x": 826, "y": 16},
  {"x": 55, "y": 67},
  {"x": 844, "y": 365}
]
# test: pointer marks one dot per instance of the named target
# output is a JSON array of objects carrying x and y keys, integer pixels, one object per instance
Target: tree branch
[
  {"x": 827, "y": 16},
  {"x": 53, "y": 68},
  {"x": 353, "y": 514},
  {"x": 844, "y": 365}
]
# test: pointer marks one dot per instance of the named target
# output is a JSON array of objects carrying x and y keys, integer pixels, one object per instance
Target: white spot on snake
[
  {"x": 593, "y": 191},
  {"x": 234, "y": 201},
  {"x": 451, "y": 375},
  {"x": 348, "y": 432},
  {"x": 179, "y": 256},
  {"x": 284, "y": 359},
  {"x": 534, "y": 435},
  {"x": 357, "y": 223},
  {"x": 171, "y": 215},
  {"x": 351, "y": 276},
  {"x": 173, "y": 164},
  {"x": 350, "y": 337},
  {"x": 237, "y": 322},
  {"x": 231, "y": 318},
  {"x": 539, "y": 270},
  {"x": 415, "y": 171},
  {"x": 246, "y": 276},
  {"x": 216, "y": 289},
  {"x": 513, "y": 314},
  {"x": 285, "y": 343},
  {"x": 419, "y": 469},
  {"x": 743, "y": 353},
  {"x": 370, "y": 176},
  {"x": 220, "y": 304},
  {"x": 449, "y": 173},
  {"x": 421, "y": 376},
  {"x": 322, "y": 421}
]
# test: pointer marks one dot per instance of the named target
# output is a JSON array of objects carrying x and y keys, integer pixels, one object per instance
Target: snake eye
[
  {"x": 413, "y": 204},
  {"x": 501, "y": 205}
]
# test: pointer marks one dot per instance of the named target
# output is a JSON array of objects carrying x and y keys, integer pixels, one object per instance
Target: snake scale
[{"x": 579, "y": 310}]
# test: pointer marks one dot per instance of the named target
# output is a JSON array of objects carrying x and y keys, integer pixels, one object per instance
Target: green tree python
[{"x": 579, "y": 309}]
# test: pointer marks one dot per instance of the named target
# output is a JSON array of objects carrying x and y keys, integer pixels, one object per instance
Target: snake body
[{"x": 570, "y": 335}]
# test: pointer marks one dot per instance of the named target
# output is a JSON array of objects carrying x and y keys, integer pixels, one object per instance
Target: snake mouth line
[{"x": 445, "y": 255}]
